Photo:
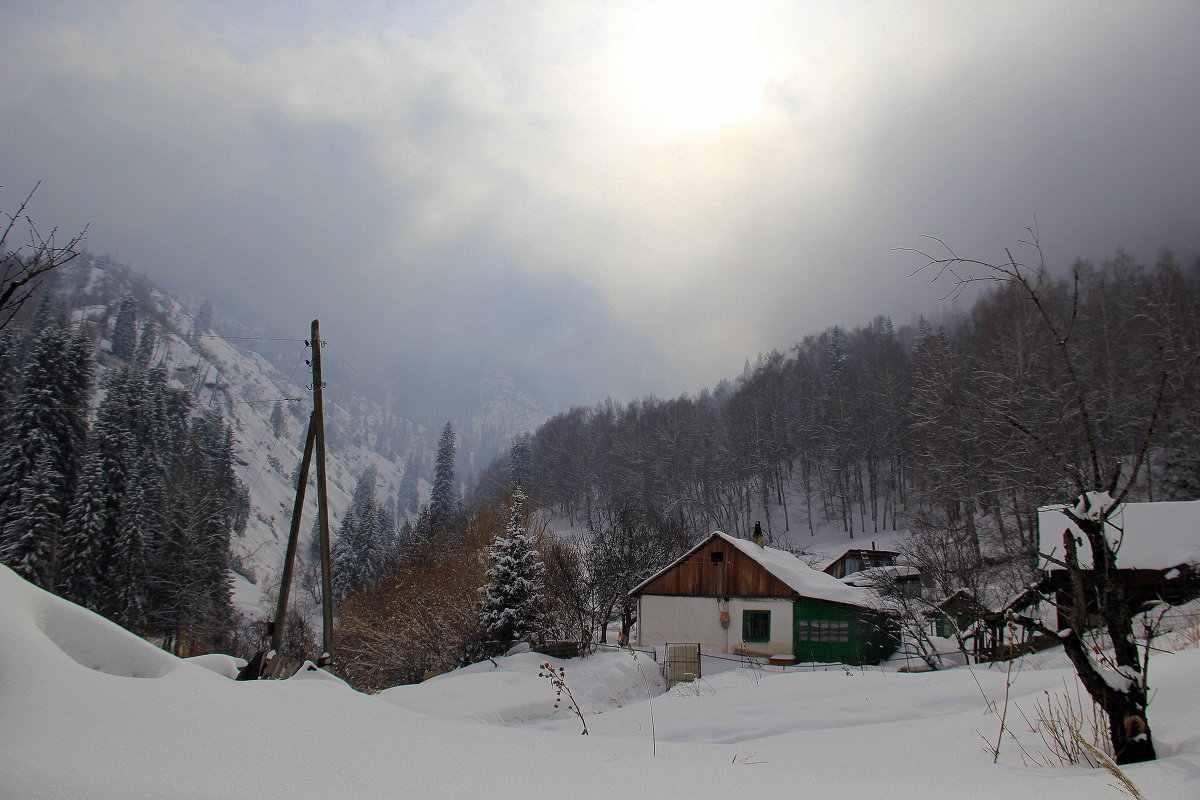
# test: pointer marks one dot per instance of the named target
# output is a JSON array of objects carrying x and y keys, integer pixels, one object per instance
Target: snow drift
[{"x": 87, "y": 710}]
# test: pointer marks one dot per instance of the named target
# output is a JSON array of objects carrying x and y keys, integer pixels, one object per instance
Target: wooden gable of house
[
  {"x": 858, "y": 559},
  {"x": 717, "y": 569}
]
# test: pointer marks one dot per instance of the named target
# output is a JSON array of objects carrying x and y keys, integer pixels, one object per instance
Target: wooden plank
[{"x": 718, "y": 569}]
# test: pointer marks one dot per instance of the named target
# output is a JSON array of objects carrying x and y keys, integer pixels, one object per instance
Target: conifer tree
[
  {"x": 279, "y": 425},
  {"x": 146, "y": 345},
  {"x": 520, "y": 463},
  {"x": 366, "y": 540},
  {"x": 90, "y": 538},
  {"x": 43, "y": 442},
  {"x": 31, "y": 535},
  {"x": 204, "y": 317},
  {"x": 407, "y": 499},
  {"x": 204, "y": 494},
  {"x": 513, "y": 598},
  {"x": 130, "y": 566},
  {"x": 347, "y": 560},
  {"x": 124, "y": 336},
  {"x": 9, "y": 372},
  {"x": 444, "y": 502}
]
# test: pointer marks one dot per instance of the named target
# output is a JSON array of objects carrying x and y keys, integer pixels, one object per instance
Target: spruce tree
[
  {"x": 366, "y": 540},
  {"x": 444, "y": 502},
  {"x": 130, "y": 567},
  {"x": 204, "y": 318},
  {"x": 146, "y": 345},
  {"x": 347, "y": 558},
  {"x": 43, "y": 441},
  {"x": 124, "y": 336},
  {"x": 513, "y": 607},
  {"x": 279, "y": 425},
  {"x": 10, "y": 372},
  {"x": 520, "y": 463},
  {"x": 31, "y": 535},
  {"x": 407, "y": 499},
  {"x": 213, "y": 614},
  {"x": 89, "y": 541}
]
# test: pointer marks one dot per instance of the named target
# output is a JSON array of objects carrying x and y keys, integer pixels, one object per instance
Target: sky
[{"x": 608, "y": 198}]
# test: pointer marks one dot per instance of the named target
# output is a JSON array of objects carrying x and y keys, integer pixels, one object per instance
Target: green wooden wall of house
[{"x": 828, "y": 632}]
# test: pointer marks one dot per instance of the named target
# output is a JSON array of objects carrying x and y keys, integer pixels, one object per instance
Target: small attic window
[{"x": 717, "y": 556}]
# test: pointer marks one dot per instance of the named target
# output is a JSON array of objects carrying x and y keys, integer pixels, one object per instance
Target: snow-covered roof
[
  {"x": 871, "y": 576},
  {"x": 1145, "y": 535},
  {"x": 789, "y": 569}
]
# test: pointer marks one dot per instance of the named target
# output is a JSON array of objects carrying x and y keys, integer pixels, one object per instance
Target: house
[
  {"x": 893, "y": 579},
  {"x": 1157, "y": 547},
  {"x": 734, "y": 596},
  {"x": 858, "y": 559},
  {"x": 959, "y": 613}
]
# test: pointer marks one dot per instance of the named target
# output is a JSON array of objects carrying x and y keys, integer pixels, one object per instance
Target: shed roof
[
  {"x": 794, "y": 573},
  {"x": 872, "y": 576},
  {"x": 827, "y": 564},
  {"x": 1145, "y": 535}
]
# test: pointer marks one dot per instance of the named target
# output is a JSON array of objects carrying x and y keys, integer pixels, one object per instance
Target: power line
[
  {"x": 258, "y": 447},
  {"x": 243, "y": 338},
  {"x": 268, "y": 400}
]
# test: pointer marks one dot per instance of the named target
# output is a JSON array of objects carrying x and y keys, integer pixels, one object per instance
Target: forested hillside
[
  {"x": 149, "y": 461},
  {"x": 949, "y": 431}
]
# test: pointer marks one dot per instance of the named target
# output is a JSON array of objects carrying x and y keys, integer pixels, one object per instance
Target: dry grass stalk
[
  {"x": 1071, "y": 728},
  {"x": 1123, "y": 783}
]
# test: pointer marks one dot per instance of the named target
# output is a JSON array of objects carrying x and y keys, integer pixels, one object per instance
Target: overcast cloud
[{"x": 618, "y": 197}]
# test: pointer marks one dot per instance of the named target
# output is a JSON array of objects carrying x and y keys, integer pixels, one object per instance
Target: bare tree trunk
[{"x": 1120, "y": 691}]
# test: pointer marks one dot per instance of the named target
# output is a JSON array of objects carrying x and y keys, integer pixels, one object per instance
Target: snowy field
[{"x": 88, "y": 710}]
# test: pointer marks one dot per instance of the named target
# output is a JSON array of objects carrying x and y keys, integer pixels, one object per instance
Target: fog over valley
[{"x": 589, "y": 199}]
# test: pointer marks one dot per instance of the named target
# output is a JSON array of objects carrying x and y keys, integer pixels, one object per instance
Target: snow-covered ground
[{"x": 88, "y": 710}]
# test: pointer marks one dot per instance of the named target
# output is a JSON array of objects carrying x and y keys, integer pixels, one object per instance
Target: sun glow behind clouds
[{"x": 693, "y": 66}]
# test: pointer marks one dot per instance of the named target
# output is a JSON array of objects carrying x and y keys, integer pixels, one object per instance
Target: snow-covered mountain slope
[{"x": 226, "y": 376}]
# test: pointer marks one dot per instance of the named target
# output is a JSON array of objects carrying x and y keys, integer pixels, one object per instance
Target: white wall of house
[{"x": 663, "y": 619}]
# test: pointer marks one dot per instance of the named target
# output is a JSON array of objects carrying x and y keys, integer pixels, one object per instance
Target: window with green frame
[
  {"x": 823, "y": 630},
  {"x": 756, "y": 626}
]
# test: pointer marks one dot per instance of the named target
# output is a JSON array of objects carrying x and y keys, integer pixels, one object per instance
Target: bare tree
[
  {"x": 26, "y": 256},
  {"x": 1074, "y": 443}
]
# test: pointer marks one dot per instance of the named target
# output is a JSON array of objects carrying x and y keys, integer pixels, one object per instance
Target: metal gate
[{"x": 683, "y": 662}]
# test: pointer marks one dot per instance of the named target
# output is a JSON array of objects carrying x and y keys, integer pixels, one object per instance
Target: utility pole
[
  {"x": 322, "y": 500},
  {"x": 269, "y": 664},
  {"x": 275, "y": 627}
]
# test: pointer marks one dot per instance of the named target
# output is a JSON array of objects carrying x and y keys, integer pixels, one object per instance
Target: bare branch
[{"x": 24, "y": 266}]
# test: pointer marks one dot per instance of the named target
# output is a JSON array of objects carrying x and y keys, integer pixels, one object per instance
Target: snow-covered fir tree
[
  {"x": 42, "y": 441},
  {"x": 444, "y": 501},
  {"x": 347, "y": 560},
  {"x": 202, "y": 322},
  {"x": 93, "y": 524},
  {"x": 147, "y": 344},
  {"x": 35, "y": 520},
  {"x": 131, "y": 560},
  {"x": 407, "y": 499},
  {"x": 279, "y": 423},
  {"x": 124, "y": 335},
  {"x": 442, "y": 519},
  {"x": 520, "y": 462},
  {"x": 366, "y": 541},
  {"x": 205, "y": 496},
  {"x": 513, "y": 606}
]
